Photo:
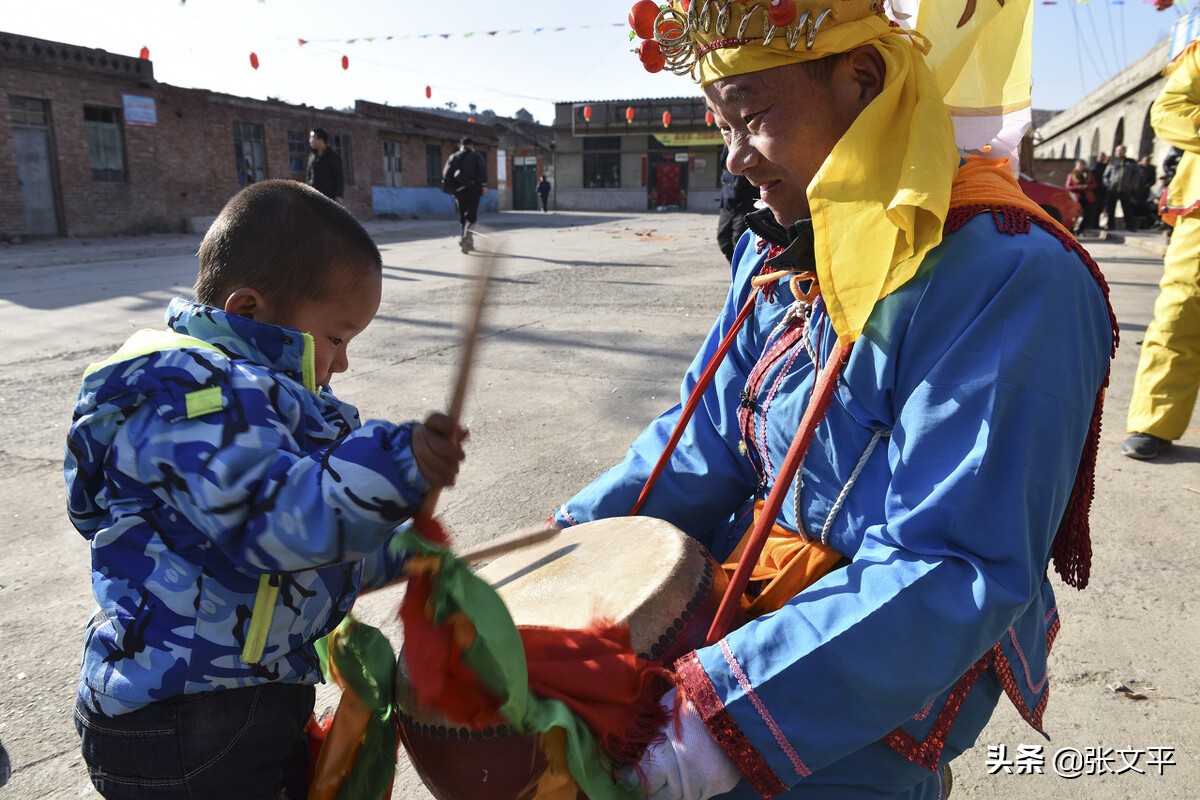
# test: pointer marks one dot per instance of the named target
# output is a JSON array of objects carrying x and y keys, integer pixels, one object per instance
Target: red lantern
[
  {"x": 254, "y": 60},
  {"x": 628, "y": 115},
  {"x": 471, "y": 120},
  {"x": 666, "y": 119},
  {"x": 428, "y": 92},
  {"x": 145, "y": 56},
  {"x": 587, "y": 113},
  {"x": 708, "y": 118},
  {"x": 345, "y": 62}
]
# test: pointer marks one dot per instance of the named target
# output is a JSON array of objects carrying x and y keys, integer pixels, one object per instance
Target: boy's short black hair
[
  {"x": 283, "y": 239},
  {"x": 321, "y": 134},
  {"x": 466, "y": 140}
]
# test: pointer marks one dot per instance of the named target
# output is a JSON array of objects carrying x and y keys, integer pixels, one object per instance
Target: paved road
[{"x": 593, "y": 319}]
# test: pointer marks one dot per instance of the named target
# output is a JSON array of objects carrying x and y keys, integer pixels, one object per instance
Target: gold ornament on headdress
[{"x": 692, "y": 34}]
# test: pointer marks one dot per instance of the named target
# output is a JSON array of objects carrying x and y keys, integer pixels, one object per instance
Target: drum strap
[
  {"x": 792, "y": 566},
  {"x": 694, "y": 398},
  {"x": 752, "y": 547}
]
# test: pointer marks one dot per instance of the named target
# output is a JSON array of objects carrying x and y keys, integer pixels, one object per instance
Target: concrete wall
[
  {"x": 602, "y": 199},
  {"x": 405, "y": 202}
]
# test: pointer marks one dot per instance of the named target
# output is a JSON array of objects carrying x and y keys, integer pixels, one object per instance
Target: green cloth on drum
[
  {"x": 497, "y": 657},
  {"x": 366, "y": 663}
]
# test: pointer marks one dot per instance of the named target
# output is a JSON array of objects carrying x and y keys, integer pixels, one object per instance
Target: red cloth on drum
[
  {"x": 597, "y": 675},
  {"x": 434, "y": 657}
]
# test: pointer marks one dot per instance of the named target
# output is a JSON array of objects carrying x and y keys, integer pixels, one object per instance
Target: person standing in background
[
  {"x": 1081, "y": 183},
  {"x": 325, "y": 167},
  {"x": 738, "y": 197},
  {"x": 543, "y": 190},
  {"x": 1122, "y": 177}
]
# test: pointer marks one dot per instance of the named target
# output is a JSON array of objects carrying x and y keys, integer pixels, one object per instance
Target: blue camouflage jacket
[{"x": 235, "y": 510}]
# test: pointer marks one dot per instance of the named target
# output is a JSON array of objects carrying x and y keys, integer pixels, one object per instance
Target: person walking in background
[
  {"x": 465, "y": 176},
  {"x": 543, "y": 190},
  {"x": 325, "y": 166},
  {"x": 1097, "y": 167},
  {"x": 1122, "y": 179},
  {"x": 1081, "y": 183},
  {"x": 1168, "y": 373},
  {"x": 1147, "y": 191},
  {"x": 738, "y": 196}
]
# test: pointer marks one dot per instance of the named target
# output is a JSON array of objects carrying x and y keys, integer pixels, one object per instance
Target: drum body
[{"x": 638, "y": 570}]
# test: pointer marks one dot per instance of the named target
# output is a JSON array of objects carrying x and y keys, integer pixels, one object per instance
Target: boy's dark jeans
[{"x": 231, "y": 744}]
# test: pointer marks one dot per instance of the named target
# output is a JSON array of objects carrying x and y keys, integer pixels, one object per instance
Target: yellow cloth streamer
[{"x": 880, "y": 199}]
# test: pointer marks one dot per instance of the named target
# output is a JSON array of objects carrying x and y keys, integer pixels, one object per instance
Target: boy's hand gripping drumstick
[{"x": 350, "y": 721}]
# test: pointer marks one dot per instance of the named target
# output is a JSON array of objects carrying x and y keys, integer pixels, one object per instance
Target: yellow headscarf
[{"x": 880, "y": 199}]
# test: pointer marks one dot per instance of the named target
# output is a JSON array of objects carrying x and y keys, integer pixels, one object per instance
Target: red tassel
[{"x": 431, "y": 529}]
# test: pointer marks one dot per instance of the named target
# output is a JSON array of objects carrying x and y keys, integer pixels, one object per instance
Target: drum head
[{"x": 639, "y": 570}]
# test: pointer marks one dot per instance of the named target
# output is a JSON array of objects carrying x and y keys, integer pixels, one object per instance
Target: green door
[{"x": 525, "y": 187}]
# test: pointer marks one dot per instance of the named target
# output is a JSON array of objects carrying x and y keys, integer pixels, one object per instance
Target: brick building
[
  {"x": 99, "y": 147},
  {"x": 621, "y": 155}
]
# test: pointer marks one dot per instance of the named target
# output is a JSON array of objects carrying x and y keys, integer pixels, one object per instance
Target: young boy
[{"x": 235, "y": 507}]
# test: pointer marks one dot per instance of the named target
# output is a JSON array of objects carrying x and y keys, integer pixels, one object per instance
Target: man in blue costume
[{"x": 952, "y": 459}]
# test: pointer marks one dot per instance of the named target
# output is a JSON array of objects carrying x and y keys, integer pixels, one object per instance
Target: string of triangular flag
[{"x": 459, "y": 34}]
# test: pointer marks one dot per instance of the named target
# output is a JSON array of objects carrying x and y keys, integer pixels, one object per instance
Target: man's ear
[
  {"x": 245, "y": 302},
  {"x": 867, "y": 71}
]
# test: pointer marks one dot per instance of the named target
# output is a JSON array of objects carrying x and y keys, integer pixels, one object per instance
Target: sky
[{"x": 494, "y": 55}]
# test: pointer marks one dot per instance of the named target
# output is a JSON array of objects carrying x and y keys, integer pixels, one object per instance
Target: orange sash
[{"x": 789, "y": 563}]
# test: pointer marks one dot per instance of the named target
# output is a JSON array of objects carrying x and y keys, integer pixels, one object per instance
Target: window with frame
[
  {"x": 393, "y": 172},
  {"x": 298, "y": 152},
  {"x": 602, "y": 162},
  {"x": 342, "y": 145},
  {"x": 433, "y": 164},
  {"x": 29, "y": 111},
  {"x": 105, "y": 144},
  {"x": 249, "y": 152}
]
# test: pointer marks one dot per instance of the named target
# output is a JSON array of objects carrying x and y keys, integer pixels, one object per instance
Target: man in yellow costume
[
  {"x": 900, "y": 303},
  {"x": 1168, "y": 374}
]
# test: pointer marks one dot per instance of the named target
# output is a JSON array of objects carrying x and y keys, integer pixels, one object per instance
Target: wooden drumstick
[
  {"x": 507, "y": 544},
  {"x": 470, "y": 340}
]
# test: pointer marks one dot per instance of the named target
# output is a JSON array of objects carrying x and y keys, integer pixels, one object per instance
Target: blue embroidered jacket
[{"x": 965, "y": 406}]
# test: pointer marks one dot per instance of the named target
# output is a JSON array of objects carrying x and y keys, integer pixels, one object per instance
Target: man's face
[
  {"x": 780, "y": 126},
  {"x": 1119, "y": 151},
  {"x": 315, "y": 142}
]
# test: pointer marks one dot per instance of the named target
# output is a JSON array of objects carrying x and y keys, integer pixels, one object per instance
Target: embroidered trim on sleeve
[
  {"x": 697, "y": 687},
  {"x": 927, "y": 753}
]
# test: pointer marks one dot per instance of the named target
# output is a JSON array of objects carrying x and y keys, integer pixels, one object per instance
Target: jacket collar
[{"x": 273, "y": 346}]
